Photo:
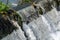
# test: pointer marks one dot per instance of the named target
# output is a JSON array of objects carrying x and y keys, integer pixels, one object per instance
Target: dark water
[{"x": 10, "y": 1}]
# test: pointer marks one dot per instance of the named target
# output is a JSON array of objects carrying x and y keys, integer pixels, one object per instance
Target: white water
[
  {"x": 55, "y": 36},
  {"x": 35, "y": 30},
  {"x": 28, "y": 32},
  {"x": 46, "y": 22}
]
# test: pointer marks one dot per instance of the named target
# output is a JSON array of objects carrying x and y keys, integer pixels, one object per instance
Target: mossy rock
[{"x": 6, "y": 27}]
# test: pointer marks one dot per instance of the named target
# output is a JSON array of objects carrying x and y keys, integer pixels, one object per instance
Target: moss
[
  {"x": 18, "y": 19},
  {"x": 40, "y": 11}
]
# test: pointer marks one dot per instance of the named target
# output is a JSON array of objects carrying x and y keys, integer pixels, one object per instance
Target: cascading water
[
  {"x": 29, "y": 32},
  {"x": 46, "y": 22},
  {"x": 38, "y": 29},
  {"x": 55, "y": 35},
  {"x": 49, "y": 19}
]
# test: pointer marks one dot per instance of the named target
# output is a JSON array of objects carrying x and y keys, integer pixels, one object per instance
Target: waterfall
[
  {"x": 54, "y": 35},
  {"x": 47, "y": 22},
  {"x": 29, "y": 32},
  {"x": 52, "y": 18},
  {"x": 35, "y": 30}
]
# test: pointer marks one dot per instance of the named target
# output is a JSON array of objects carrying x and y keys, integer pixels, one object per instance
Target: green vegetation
[
  {"x": 40, "y": 11},
  {"x": 3, "y": 7}
]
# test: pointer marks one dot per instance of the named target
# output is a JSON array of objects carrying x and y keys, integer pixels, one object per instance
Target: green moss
[
  {"x": 40, "y": 11},
  {"x": 18, "y": 19}
]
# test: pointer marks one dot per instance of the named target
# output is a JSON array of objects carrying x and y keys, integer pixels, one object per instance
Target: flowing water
[
  {"x": 29, "y": 32},
  {"x": 43, "y": 28}
]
